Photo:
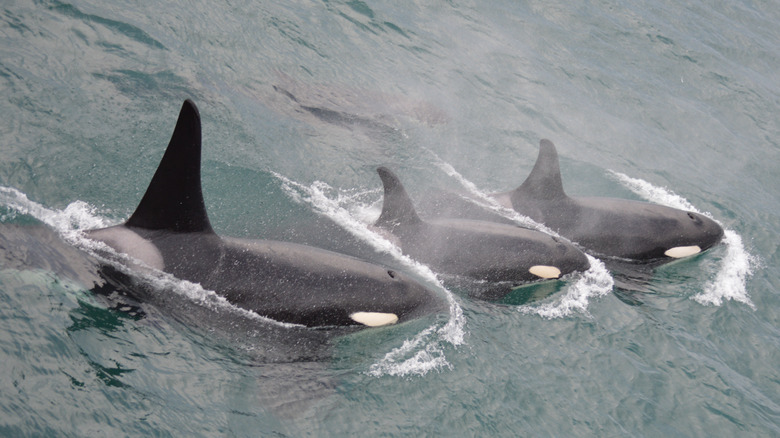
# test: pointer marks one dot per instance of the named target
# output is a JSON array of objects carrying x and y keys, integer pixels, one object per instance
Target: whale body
[
  {"x": 170, "y": 231},
  {"x": 480, "y": 250},
  {"x": 611, "y": 227}
]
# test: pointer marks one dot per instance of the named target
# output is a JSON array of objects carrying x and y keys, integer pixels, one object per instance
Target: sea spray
[
  {"x": 595, "y": 282},
  {"x": 731, "y": 279},
  {"x": 422, "y": 353},
  {"x": 416, "y": 356},
  {"x": 487, "y": 202}
]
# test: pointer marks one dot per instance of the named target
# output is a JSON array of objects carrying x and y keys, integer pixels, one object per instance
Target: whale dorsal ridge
[
  {"x": 544, "y": 182},
  {"x": 174, "y": 200},
  {"x": 397, "y": 207}
]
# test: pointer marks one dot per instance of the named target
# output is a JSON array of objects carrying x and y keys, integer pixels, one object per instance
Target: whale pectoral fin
[
  {"x": 174, "y": 200},
  {"x": 397, "y": 206},
  {"x": 374, "y": 319},
  {"x": 544, "y": 182}
]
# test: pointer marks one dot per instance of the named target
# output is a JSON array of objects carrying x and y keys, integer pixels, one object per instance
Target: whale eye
[
  {"x": 694, "y": 218},
  {"x": 391, "y": 273}
]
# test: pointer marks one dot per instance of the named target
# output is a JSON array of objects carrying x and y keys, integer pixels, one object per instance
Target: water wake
[
  {"x": 424, "y": 352},
  {"x": 595, "y": 282},
  {"x": 79, "y": 216},
  {"x": 485, "y": 201},
  {"x": 731, "y": 279}
]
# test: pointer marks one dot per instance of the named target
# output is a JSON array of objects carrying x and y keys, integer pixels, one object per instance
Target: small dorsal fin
[
  {"x": 397, "y": 207},
  {"x": 174, "y": 200},
  {"x": 544, "y": 182}
]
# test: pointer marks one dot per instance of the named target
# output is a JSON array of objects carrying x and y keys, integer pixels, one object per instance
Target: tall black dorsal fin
[
  {"x": 544, "y": 182},
  {"x": 397, "y": 207},
  {"x": 174, "y": 200}
]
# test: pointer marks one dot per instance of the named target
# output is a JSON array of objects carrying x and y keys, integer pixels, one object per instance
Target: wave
[
  {"x": 351, "y": 211},
  {"x": 736, "y": 266}
]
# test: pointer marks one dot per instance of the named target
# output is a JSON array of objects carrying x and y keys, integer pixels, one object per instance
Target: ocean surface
[{"x": 674, "y": 103}]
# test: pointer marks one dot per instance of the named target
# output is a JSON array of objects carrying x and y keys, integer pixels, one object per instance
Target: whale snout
[
  {"x": 710, "y": 232},
  {"x": 569, "y": 258},
  {"x": 407, "y": 299},
  {"x": 700, "y": 234}
]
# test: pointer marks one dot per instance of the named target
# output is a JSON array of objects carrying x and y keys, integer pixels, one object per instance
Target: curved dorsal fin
[
  {"x": 174, "y": 200},
  {"x": 544, "y": 182},
  {"x": 397, "y": 207}
]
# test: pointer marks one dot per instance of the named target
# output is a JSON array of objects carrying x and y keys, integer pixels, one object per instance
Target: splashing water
[
  {"x": 487, "y": 202},
  {"x": 731, "y": 279},
  {"x": 78, "y": 216},
  {"x": 593, "y": 283},
  {"x": 423, "y": 353},
  {"x": 416, "y": 356}
]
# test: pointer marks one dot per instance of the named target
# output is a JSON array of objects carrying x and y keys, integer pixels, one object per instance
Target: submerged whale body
[
  {"x": 606, "y": 226},
  {"x": 481, "y": 250},
  {"x": 170, "y": 231}
]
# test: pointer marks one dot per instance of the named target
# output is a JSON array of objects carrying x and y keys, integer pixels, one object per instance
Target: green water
[{"x": 300, "y": 103}]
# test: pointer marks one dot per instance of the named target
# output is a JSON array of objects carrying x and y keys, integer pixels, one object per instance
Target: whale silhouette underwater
[
  {"x": 612, "y": 229},
  {"x": 480, "y": 250},
  {"x": 287, "y": 282}
]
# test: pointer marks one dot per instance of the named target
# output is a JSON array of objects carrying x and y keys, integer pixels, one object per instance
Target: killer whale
[
  {"x": 481, "y": 250},
  {"x": 616, "y": 228},
  {"x": 170, "y": 231}
]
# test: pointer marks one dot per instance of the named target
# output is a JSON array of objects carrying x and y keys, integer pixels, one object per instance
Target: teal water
[{"x": 301, "y": 101}]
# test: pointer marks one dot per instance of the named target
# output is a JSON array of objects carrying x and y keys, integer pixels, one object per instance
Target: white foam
[
  {"x": 486, "y": 201},
  {"x": 78, "y": 216},
  {"x": 347, "y": 209},
  {"x": 658, "y": 195},
  {"x": 416, "y": 356},
  {"x": 593, "y": 283},
  {"x": 730, "y": 282}
]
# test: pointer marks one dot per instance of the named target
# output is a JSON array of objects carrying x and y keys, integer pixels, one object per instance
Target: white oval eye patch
[
  {"x": 682, "y": 251},
  {"x": 545, "y": 271},
  {"x": 374, "y": 319}
]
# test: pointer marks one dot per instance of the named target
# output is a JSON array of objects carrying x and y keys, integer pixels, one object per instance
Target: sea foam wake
[
  {"x": 593, "y": 283},
  {"x": 424, "y": 352},
  {"x": 737, "y": 265}
]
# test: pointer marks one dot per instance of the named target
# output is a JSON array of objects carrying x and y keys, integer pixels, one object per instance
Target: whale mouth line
[
  {"x": 546, "y": 272},
  {"x": 374, "y": 319},
  {"x": 682, "y": 251}
]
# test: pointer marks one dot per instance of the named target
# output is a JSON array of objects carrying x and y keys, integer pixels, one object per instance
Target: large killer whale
[
  {"x": 617, "y": 228},
  {"x": 481, "y": 250},
  {"x": 170, "y": 231}
]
